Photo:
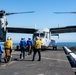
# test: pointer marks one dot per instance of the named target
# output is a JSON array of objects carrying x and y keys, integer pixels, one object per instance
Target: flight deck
[{"x": 53, "y": 62}]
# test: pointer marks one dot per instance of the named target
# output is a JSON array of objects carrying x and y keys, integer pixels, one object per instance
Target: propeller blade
[
  {"x": 19, "y": 12},
  {"x": 65, "y": 12}
]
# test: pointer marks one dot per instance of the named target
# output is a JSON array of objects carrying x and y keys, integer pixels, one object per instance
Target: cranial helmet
[
  {"x": 9, "y": 38},
  {"x": 29, "y": 38},
  {"x": 37, "y": 37},
  {"x": 22, "y": 38}
]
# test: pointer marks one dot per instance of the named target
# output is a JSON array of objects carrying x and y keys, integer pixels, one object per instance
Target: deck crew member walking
[
  {"x": 22, "y": 48},
  {"x": 37, "y": 46},
  {"x": 29, "y": 46},
  {"x": 8, "y": 47},
  {"x": 1, "y": 51}
]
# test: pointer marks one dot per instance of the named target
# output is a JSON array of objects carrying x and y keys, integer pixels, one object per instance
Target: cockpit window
[
  {"x": 39, "y": 34},
  {"x": 42, "y": 34}
]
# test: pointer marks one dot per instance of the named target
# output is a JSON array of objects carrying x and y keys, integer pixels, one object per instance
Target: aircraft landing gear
[{"x": 54, "y": 47}]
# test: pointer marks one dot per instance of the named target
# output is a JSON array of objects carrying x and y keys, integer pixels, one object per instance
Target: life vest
[
  {"x": 29, "y": 43},
  {"x": 7, "y": 44},
  {"x": 37, "y": 44},
  {"x": 22, "y": 43}
]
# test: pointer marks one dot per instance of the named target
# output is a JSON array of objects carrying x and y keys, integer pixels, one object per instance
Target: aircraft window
[
  {"x": 41, "y": 34},
  {"x": 36, "y": 35},
  {"x": 46, "y": 35}
]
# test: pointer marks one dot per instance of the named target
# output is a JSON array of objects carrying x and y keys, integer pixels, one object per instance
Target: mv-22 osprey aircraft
[{"x": 44, "y": 34}]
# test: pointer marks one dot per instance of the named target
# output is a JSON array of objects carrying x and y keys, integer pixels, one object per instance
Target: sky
[{"x": 43, "y": 17}]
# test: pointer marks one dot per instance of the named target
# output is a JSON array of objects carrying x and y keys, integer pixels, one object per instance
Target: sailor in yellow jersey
[
  {"x": 8, "y": 47},
  {"x": 37, "y": 46}
]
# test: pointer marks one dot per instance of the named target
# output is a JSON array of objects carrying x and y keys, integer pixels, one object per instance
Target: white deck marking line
[
  {"x": 4, "y": 65},
  {"x": 55, "y": 59},
  {"x": 40, "y": 74},
  {"x": 11, "y": 62}
]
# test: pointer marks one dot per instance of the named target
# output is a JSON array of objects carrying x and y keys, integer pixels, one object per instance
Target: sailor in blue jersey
[
  {"x": 23, "y": 48},
  {"x": 1, "y": 51},
  {"x": 29, "y": 46}
]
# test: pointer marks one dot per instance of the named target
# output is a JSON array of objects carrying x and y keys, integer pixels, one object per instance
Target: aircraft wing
[
  {"x": 20, "y": 30},
  {"x": 66, "y": 29}
]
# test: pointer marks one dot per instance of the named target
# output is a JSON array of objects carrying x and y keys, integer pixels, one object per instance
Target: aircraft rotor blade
[
  {"x": 19, "y": 13},
  {"x": 65, "y": 12}
]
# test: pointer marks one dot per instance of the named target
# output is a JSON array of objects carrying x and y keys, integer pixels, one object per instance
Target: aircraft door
[{"x": 47, "y": 38}]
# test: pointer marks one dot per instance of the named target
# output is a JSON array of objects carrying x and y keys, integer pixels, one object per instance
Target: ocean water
[
  {"x": 59, "y": 44},
  {"x": 68, "y": 44}
]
